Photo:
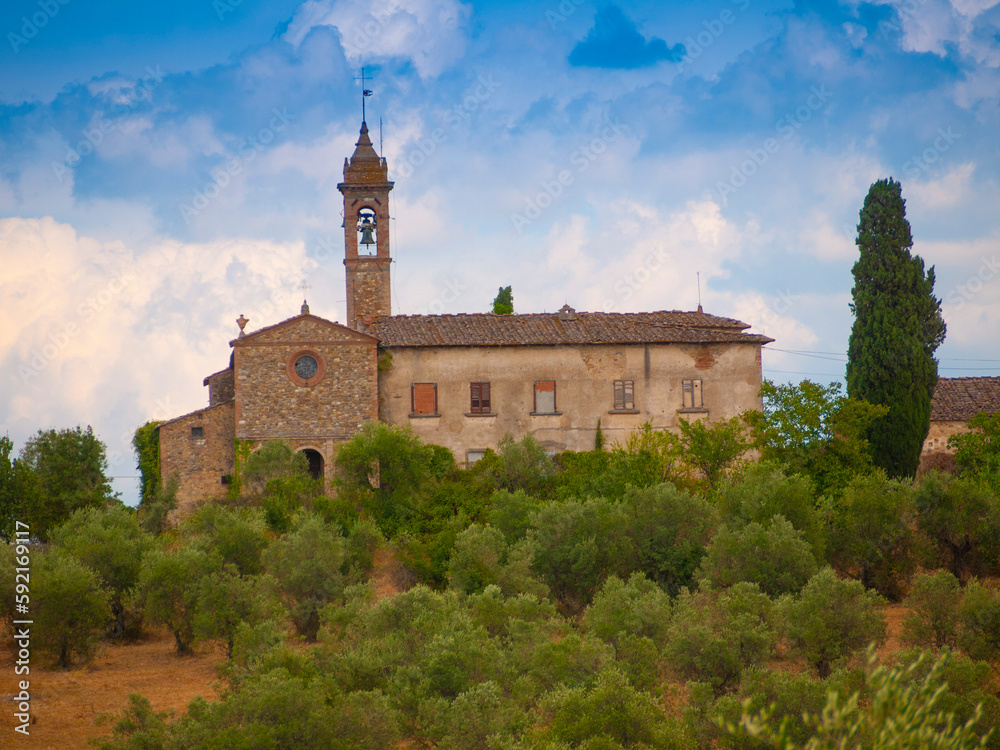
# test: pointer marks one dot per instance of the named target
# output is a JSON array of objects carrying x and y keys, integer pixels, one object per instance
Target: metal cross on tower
[{"x": 364, "y": 92}]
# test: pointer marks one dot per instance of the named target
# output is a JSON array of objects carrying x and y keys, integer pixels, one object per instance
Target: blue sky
[{"x": 167, "y": 167}]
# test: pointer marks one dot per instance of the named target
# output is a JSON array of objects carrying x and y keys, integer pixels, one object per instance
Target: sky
[{"x": 167, "y": 167}]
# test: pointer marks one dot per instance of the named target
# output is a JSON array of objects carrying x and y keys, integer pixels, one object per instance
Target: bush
[
  {"x": 763, "y": 491},
  {"x": 638, "y": 608},
  {"x": 669, "y": 530},
  {"x": 385, "y": 467},
  {"x": 154, "y": 513},
  {"x": 979, "y": 635},
  {"x": 714, "y": 448},
  {"x": 961, "y": 519},
  {"x": 786, "y": 697},
  {"x": 307, "y": 565},
  {"x": 111, "y": 543},
  {"x": 521, "y": 465},
  {"x": 578, "y": 545},
  {"x": 832, "y": 619},
  {"x": 68, "y": 606},
  {"x": 934, "y": 602},
  {"x": 227, "y": 600},
  {"x": 901, "y": 713},
  {"x": 510, "y": 512},
  {"x": 170, "y": 585},
  {"x": 775, "y": 557},
  {"x": 714, "y": 636},
  {"x": 967, "y": 687},
  {"x": 611, "y": 714},
  {"x": 483, "y": 558},
  {"x": 871, "y": 535},
  {"x": 236, "y": 536}
]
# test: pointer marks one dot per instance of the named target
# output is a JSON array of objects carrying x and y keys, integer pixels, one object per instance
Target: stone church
[{"x": 461, "y": 381}]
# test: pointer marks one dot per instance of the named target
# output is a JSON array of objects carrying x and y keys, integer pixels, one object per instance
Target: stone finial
[
  {"x": 242, "y": 323},
  {"x": 305, "y": 307}
]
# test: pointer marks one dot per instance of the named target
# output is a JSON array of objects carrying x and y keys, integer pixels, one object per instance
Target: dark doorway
[{"x": 315, "y": 463}]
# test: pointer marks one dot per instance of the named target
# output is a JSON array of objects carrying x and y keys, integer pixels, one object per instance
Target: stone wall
[
  {"x": 272, "y": 403},
  {"x": 368, "y": 290},
  {"x": 199, "y": 461},
  {"x": 221, "y": 387},
  {"x": 584, "y": 375}
]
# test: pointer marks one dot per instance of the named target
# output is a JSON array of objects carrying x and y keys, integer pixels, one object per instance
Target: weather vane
[{"x": 364, "y": 93}]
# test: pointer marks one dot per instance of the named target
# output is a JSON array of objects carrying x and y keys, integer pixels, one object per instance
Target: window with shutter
[
  {"x": 624, "y": 395},
  {"x": 691, "y": 394},
  {"x": 423, "y": 398},
  {"x": 545, "y": 397},
  {"x": 480, "y": 397}
]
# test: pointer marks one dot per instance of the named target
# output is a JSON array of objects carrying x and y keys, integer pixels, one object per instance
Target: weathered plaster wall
[{"x": 584, "y": 376}]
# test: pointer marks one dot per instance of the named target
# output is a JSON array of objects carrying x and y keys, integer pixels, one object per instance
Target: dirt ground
[{"x": 65, "y": 704}]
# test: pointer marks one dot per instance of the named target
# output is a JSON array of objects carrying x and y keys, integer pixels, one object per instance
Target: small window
[
  {"x": 624, "y": 395},
  {"x": 545, "y": 397},
  {"x": 197, "y": 433},
  {"x": 691, "y": 394},
  {"x": 480, "y": 394},
  {"x": 473, "y": 456},
  {"x": 423, "y": 398}
]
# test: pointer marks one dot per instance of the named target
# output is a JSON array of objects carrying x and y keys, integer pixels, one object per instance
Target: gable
[{"x": 304, "y": 329}]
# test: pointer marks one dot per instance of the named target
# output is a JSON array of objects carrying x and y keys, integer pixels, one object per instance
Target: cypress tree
[{"x": 897, "y": 328}]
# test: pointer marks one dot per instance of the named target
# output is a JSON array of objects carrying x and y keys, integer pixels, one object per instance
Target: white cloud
[
  {"x": 429, "y": 32},
  {"x": 97, "y": 331},
  {"x": 946, "y": 192}
]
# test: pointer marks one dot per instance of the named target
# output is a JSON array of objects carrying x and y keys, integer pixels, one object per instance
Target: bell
[{"x": 367, "y": 232}]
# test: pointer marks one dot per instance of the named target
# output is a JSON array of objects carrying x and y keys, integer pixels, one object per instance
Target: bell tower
[{"x": 366, "y": 189}]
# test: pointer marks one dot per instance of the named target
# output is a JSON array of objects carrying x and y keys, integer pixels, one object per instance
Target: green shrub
[
  {"x": 69, "y": 608},
  {"x": 307, "y": 565},
  {"x": 831, "y": 619},
  {"x": 763, "y": 491},
  {"x": 668, "y": 530},
  {"x": 934, "y": 602},
  {"x": 775, "y": 557},
  {"x": 871, "y": 533},
  {"x": 111, "y": 543},
  {"x": 714, "y": 636}
]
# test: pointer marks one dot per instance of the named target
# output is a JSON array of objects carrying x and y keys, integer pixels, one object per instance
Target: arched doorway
[{"x": 315, "y": 460}]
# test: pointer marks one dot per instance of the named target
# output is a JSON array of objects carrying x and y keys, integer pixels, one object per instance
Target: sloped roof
[
  {"x": 960, "y": 399},
  {"x": 487, "y": 329},
  {"x": 343, "y": 330}
]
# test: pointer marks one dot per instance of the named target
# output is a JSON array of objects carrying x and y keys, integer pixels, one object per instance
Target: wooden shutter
[
  {"x": 423, "y": 398},
  {"x": 480, "y": 397},
  {"x": 624, "y": 394}
]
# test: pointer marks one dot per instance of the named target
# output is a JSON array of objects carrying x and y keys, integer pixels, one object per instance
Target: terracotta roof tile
[
  {"x": 487, "y": 329},
  {"x": 963, "y": 398}
]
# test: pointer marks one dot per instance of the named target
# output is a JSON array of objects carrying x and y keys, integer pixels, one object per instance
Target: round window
[{"x": 306, "y": 367}]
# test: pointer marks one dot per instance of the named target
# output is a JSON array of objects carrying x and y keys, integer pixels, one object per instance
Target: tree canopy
[
  {"x": 503, "y": 304},
  {"x": 70, "y": 466},
  {"x": 897, "y": 328}
]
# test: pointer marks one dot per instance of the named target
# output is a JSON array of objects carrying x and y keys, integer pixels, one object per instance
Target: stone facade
[
  {"x": 271, "y": 402},
  {"x": 198, "y": 449},
  {"x": 955, "y": 402}
]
